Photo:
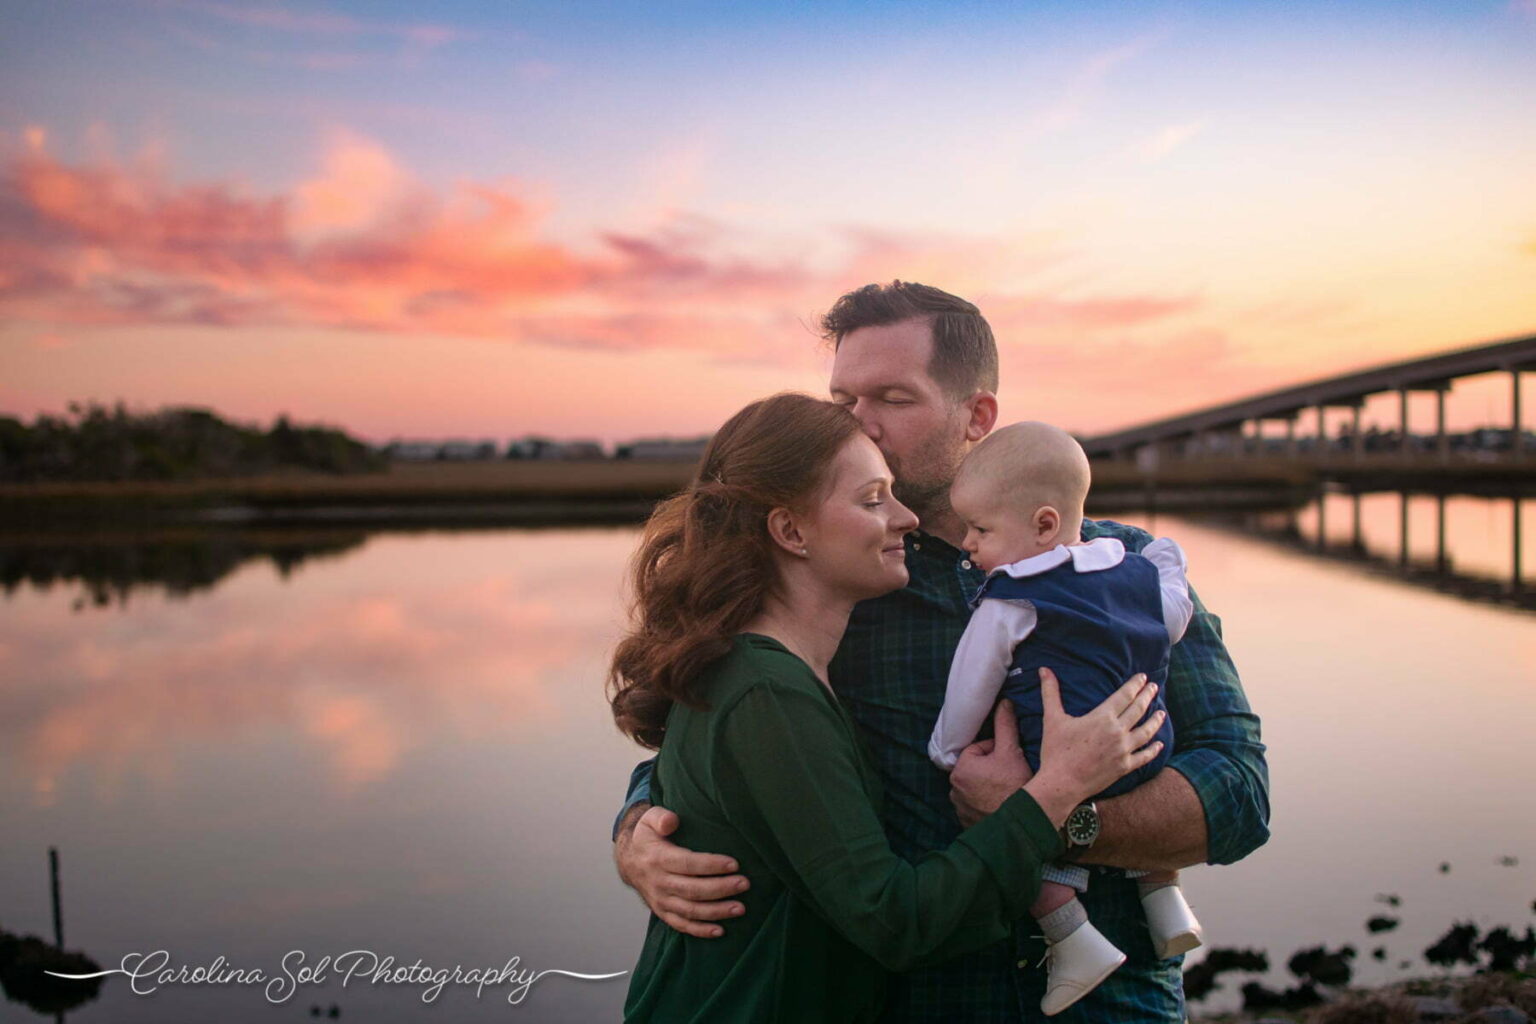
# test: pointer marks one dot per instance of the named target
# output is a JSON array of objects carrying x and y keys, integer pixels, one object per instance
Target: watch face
[{"x": 1083, "y": 826}]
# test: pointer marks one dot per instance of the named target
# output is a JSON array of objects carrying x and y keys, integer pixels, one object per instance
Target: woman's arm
[{"x": 790, "y": 780}]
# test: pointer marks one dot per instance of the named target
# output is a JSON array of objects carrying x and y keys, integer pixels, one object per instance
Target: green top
[{"x": 775, "y": 774}]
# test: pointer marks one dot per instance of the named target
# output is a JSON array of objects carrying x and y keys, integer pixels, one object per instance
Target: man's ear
[
  {"x": 983, "y": 410},
  {"x": 1047, "y": 523},
  {"x": 784, "y": 530}
]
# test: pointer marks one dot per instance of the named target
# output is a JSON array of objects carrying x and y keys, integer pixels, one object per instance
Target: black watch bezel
[{"x": 1083, "y": 821}]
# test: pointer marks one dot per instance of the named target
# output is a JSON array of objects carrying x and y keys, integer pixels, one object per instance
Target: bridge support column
[
  {"x": 1402, "y": 420},
  {"x": 1358, "y": 439},
  {"x": 1290, "y": 435},
  {"x": 1442, "y": 443},
  {"x": 1517, "y": 438},
  {"x": 1322, "y": 432}
]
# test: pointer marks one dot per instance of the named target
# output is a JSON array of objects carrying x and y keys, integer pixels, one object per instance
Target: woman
[{"x": 743, "y": 587}]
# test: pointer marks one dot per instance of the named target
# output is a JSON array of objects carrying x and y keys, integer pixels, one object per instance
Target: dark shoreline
[{"x": 514, "y": 492}]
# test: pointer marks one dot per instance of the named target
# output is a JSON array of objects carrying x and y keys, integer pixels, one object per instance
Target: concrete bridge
[{"x": 1226, "y": 445}]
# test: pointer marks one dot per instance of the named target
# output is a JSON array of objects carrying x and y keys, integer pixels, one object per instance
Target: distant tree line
[{"x": 174, "y": 443}]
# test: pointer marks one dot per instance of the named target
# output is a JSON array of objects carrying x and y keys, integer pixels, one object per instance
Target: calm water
[{"x": 403, "y": 748}]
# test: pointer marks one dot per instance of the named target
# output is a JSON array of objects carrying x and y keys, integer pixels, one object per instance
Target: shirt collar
[
  {"x": 931, "y": 542},
  {"x": 1097, "y": 554}
]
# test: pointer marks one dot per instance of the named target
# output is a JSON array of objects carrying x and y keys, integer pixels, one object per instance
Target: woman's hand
[
  {"x": 1081, "y": 755},
  {"x": 989, "y": 771}
]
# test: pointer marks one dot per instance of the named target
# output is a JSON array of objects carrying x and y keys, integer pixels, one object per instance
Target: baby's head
[{"x": 1020, "y": 493}]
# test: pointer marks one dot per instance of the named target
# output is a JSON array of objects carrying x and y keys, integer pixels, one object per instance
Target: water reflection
[
  {"x": 354, "y": 662},
  {"x": 1474, "y": 547},
  {"x": 405, "y": 748},
  {"x": 109, "y": 567}
]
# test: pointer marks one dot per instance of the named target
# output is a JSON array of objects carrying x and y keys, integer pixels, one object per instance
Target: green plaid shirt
[{"x": 891, "y": 671}]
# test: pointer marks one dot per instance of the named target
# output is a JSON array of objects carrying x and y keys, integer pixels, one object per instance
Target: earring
[{"x": 804, "y": 553}]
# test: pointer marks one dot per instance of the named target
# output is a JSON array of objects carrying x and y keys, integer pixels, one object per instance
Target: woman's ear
[
  {"x": 784, "y": 530},
  {"x": 1047, "y": 524}
]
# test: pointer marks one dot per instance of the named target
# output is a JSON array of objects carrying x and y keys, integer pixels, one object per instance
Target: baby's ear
[{"x": 1047, "y": 521}]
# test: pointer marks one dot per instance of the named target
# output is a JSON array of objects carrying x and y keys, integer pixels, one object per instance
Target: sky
[{"x": 622, "y": 220}]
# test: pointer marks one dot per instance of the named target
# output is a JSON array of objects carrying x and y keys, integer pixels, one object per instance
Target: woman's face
[{"x": 853, "y": 538}]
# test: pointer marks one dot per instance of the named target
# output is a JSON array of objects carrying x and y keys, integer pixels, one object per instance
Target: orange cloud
[{"x": 365, "y": 245}]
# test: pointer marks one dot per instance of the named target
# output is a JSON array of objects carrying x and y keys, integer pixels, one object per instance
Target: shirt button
[
  {"x": 916, "y": 546},
  {"x": 965, "y": 564},
  {"x": 1023, "y": 964}
]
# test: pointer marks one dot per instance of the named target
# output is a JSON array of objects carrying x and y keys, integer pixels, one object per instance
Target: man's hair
[{"x": 964, "y": 358}]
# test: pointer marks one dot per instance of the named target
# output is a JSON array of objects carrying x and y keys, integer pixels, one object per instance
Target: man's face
[{"x": 881, "y": 374}]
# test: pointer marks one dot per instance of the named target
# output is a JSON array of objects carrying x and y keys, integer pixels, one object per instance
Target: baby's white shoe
[
  {"x": 1173, "y": 925},
  {"x": 1076, "y": 965}
]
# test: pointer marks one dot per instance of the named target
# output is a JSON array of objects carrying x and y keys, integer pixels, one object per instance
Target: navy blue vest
[{"x": 1095, "y": 630}]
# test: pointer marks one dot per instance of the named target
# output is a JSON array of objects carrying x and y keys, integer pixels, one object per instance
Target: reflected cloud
[{"x": 402, "y": 645}]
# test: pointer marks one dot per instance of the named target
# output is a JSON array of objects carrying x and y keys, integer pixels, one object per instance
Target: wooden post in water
[
  {"x": 58, "y": 914},
  {"x": 1322, "y": 519},
  {"x": 1441, "y": 562},
  {"x": 1516, "y": 575},
  {"x": 1402, "y": 556}
]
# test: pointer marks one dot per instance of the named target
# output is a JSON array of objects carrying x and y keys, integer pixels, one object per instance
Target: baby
[{"x": 1093, "y": 613}]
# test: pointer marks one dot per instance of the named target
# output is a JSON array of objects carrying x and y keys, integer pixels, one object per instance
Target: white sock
[{"x": 1064, "y": 920}]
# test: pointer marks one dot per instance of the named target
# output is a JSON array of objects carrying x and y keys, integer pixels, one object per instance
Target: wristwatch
[{"x": 1080, "y": 830}]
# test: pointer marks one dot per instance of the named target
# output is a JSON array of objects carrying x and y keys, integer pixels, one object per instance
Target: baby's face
[{"x": 997, "y": 532}]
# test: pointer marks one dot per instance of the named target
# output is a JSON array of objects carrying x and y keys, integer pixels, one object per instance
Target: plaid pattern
[{"x": 891, "y": 671}]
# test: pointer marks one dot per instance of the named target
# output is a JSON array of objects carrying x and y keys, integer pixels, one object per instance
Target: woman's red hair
[{"x": 706, "y": 562}]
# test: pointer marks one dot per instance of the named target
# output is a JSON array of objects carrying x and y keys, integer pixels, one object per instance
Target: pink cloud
[
  {"x": 364, "y": 245},
  {"x": 1030, "y": 312},
  {"x": 282, "y": 19},
  {"x": 231, "y": 29}
]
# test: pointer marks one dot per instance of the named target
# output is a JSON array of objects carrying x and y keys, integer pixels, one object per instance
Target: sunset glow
[{"x": 484, "y": 220}]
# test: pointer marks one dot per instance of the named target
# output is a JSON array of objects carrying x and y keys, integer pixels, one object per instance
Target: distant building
[
  {"x": 544, "y": 448},
  {"x": 465, "y": 451},
  {"x": 432, "y": 451},
  {"x": 412, "y": 451},
  {"x": 663, "y": 449}
]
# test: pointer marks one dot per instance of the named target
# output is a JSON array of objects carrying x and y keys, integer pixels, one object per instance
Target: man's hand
[
  {"x": 686, "y": 890},
  {"x": 989, "y": 771}
]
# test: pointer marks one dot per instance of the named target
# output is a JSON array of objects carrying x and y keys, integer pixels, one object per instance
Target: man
[{"x": 918, "y": 368}]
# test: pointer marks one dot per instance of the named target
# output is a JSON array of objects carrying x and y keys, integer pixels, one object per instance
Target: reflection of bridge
[
  {"x": 1226, "y": 443},
  {"x": 1221, "y": 458}
]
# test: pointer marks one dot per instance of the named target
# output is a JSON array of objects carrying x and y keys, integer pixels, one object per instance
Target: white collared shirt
[{"x": 998, "y": 626}]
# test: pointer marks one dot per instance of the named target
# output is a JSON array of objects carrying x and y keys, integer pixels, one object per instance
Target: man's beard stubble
[{"x": 928, "y": 499}]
